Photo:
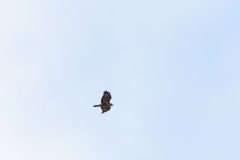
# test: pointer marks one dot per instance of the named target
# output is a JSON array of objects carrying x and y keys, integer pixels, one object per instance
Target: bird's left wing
[{"x": 106, "y": 97}]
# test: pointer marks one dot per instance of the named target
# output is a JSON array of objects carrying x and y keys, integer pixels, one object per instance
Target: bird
[{"x": 105, "y": 102}]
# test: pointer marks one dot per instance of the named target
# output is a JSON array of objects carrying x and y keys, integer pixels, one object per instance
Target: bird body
[{"x": 105, "y": 102}]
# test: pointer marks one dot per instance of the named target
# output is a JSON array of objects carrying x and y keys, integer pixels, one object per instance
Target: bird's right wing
[{"x": 105, "y": 109}]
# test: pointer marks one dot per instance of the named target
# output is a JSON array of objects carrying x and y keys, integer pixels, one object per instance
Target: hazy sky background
[{"x": 172, "y": 67}]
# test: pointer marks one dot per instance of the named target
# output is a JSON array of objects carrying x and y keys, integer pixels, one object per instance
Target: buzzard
[{"x": 105, "y": 102}]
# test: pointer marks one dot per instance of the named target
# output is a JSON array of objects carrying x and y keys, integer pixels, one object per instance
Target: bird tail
[{"x": 97, "y": 105}]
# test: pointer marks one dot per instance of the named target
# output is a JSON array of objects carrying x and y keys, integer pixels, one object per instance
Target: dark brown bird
[{"x": 105, "y": 102}]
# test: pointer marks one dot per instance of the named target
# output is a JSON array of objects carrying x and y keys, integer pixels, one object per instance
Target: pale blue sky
[{"x": 172, "y": 67}]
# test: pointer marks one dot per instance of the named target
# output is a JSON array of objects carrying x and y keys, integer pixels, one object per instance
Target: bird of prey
[{"x": 105, "y": 102}]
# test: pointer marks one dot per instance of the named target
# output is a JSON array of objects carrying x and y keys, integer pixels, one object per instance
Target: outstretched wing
[
  {"x": 105, "y": 109},
  {"x": 106, "y": 97}
]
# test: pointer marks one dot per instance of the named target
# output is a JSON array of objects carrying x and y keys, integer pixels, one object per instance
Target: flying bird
[{"x": 105, "y": 102}]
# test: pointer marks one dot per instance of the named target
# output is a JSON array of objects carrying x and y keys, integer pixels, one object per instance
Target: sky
[{"x": 172, "y": 68}]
